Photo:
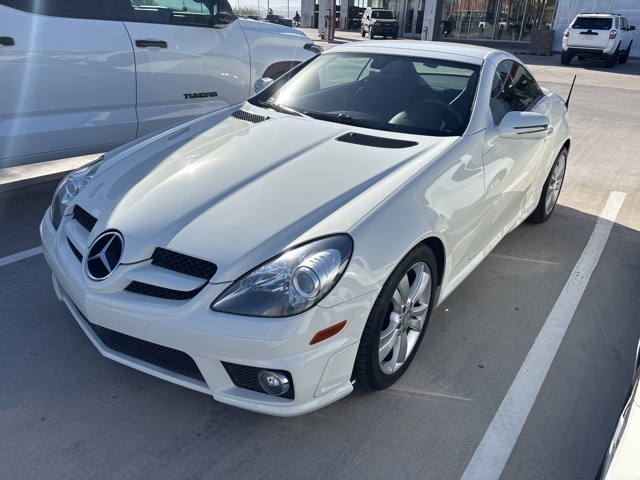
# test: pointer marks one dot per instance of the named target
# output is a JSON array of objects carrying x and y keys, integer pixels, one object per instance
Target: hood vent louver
[
  {"x": 248, "y": 116},
  {"x": 371, "y": 141}
]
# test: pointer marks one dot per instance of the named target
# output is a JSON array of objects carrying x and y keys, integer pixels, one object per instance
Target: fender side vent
[
  {"x": 249, "y": 117},
  {"x": 371, "y": 141}
]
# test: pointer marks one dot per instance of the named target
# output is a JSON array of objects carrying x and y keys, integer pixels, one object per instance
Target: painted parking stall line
[
  {"x": 16, "y": 257},
  {"x": 496, "y": 446}
]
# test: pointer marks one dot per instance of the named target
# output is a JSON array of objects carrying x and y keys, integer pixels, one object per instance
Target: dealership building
[{"x": 477, "y": 21}]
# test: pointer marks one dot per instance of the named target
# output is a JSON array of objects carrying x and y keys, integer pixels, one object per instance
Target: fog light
[{"x": 274, "y": 383}]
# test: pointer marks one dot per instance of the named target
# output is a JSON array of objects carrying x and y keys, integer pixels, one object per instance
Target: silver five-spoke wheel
[
  {"x": 555, "y": 183},
  {"x": 407, "y": 314},
  {"x": 398, "y": 320}
]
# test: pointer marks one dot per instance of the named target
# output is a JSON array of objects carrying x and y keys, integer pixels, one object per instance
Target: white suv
[
  {"x": 82, "y": 77},
  {"x": 605, "y": 36}
]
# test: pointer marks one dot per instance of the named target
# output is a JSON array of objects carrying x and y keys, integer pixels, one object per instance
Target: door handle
[
  {"x": 7, "y": 41},
  {"x": 151, "y": 43}
]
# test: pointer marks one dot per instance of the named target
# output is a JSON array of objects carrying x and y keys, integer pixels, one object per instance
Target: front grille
[
  {"x": 181, "y": 263},
  {"x": 248, "y": 116},
  {"x": 84, "y": 218},
  {"x": 163, "y": 357},
  {"x": 75, "y": 251},
  {"x": 371, "y": 141},
  {"x": 246, "y": 377},
  {"x": 161, "y": 292}
]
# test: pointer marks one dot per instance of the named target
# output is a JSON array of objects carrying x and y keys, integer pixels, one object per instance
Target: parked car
[
  {"x": 622, "y": 460},
  {"x": 266, "y": 252},
  {"x": 280, "y": 20},
  {"x": 603, "y": 36},
  {"x": 378, "y": 21},
  {"x": 100, "y": 73}
]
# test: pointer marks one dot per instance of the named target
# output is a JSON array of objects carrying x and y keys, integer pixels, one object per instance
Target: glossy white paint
[
  {"x": 238, "y": 193},
  {"x": 74, "y": 86}
]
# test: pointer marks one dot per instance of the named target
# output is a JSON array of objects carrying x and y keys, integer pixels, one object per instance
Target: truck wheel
[
  {"x": 371, "y": 35},
  {"x": 565, "y": 58},
  {"x": 610, "y": 60},
  {"x": 625, "y": 56},
  {"x": 362, "y": 32}
]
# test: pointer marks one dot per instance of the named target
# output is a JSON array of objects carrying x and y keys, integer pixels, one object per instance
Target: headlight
[
  {"x": 70, "y": 187},
  {"x": 291, "y": 283}
]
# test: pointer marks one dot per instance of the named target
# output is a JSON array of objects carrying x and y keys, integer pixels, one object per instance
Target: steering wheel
[{"x": 429, "y": 114}]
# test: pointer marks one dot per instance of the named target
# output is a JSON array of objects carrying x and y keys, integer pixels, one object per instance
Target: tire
[
  {"x": 395, "y": 37},
  {"x": 362, "y": 32},
  {"x": 371, "y": 35},
  {"x": 580, "y": 57},
  {"x": 610, "y": 60},
  {"x": 625, "y": 56},
  {"x": 551, "y": 189},
  {"x": 399, "y": 316},
  {"x": 565, "y": 58}
]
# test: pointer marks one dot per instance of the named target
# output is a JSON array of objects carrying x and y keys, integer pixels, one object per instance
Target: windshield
[
  {"x": 385, "y": 92},
  {"x": 383, "y": 14}
]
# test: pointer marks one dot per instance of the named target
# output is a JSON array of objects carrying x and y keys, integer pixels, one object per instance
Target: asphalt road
[{"x": 68, "y": 413}]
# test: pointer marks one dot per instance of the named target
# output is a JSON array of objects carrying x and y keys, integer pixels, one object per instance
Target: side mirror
[
  {"x": 262, "y": 83},
  {"x": 632, "y": 27},
  {"x": 524, "y": 126}
]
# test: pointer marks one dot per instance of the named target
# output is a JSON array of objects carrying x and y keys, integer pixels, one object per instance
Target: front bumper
[{"x": 190, "y": 333}]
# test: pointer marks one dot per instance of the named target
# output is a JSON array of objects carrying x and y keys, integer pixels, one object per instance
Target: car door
[
  {"x": 67, "y": 83},
  {"x": 191, "y": 58},
  {"x": 510, "y": 164}
]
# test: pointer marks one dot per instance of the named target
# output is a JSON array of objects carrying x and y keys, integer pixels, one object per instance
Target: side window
[
  {"x": 625, "y": 26},
  {"x": 177, "y": 12},
  {"x": 89, "y": 9},
  {"x": 513, "y": 89}
]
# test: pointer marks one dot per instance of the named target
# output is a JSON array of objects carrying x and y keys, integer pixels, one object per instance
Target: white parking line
[
  {"x": 16, "y": 257},
  {"x": 494, "y": 450}
]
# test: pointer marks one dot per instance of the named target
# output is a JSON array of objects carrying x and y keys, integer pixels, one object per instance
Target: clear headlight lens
[
  {"x": 70, "y": 187},
  {"x": 291, "y": 283}
]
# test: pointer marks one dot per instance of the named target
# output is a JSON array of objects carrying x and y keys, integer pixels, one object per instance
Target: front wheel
[
  {"x": 398, "y": 321},
  {"x": 551, "y": 189},
  {"x": 371, "y": 33},
  {"x": 362, "y": 31}
]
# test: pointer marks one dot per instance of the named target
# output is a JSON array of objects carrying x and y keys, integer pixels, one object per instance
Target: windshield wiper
[
  {"x": 281, "y": 108},
  {"x": 346, "y": 119}
]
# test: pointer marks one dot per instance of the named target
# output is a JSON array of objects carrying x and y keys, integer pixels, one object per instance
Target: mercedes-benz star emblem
[{"x": 104, "y": 255}]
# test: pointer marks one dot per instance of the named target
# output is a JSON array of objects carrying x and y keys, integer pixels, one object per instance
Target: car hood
[{"x": 240, "y": 192}]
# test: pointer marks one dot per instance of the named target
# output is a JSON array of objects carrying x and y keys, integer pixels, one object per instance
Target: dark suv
[
  {"x": 279, "y": 19},
  {"x": 378, "y": 21}
]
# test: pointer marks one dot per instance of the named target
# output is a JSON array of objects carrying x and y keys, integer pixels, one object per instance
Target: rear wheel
[
  {"x": 551, "y": 189},
  {"x": 362, "y": 31},
  {"x": 610, "y": 60},
  {"x": 625, "y": 56},
  {"x": 398, "y": 321},
  {"x": 565, "y": 58}
]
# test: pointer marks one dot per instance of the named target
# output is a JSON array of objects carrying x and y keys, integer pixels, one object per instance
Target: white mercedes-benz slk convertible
[{"x": 274, "y": 253}]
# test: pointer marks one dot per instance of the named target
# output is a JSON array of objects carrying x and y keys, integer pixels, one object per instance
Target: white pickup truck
[
  {"x": 604, "y": 36},
  {"x": 84, "y": 76}
]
